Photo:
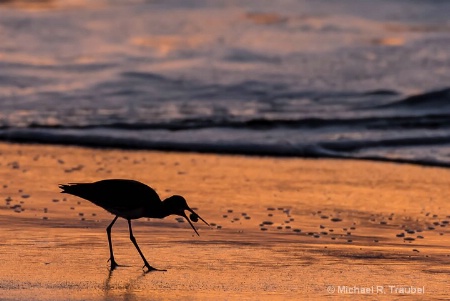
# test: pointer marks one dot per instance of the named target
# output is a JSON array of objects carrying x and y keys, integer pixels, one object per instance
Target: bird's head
[{"x": 177, "y": 205}]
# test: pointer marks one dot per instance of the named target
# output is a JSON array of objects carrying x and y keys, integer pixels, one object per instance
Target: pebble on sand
[{"x": 336, "y": 219}]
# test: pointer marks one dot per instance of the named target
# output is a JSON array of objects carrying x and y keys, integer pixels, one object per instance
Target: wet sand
[{"x": 282, "y": 229}]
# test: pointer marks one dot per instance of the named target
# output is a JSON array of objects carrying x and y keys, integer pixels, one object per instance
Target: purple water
[{"x": 350, "y": 79}]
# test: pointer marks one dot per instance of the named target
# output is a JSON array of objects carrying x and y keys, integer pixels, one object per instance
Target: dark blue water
[{"x": 347, "y": 79}]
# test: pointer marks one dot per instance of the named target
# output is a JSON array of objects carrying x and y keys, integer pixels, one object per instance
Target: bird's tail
[
  {"x": 68, "y": 188},
  {"x": 63, "y": 187}
]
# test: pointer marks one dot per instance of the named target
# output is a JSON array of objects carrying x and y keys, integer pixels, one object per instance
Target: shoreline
[
  {"x": 327, "y": 222},
  {"x": 186, "y": 148}
]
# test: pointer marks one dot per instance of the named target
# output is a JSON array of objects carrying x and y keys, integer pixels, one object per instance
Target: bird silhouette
[{"x": 130, "y": 199}]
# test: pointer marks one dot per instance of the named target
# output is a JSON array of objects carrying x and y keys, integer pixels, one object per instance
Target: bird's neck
[{"x": 162, "y": 211}]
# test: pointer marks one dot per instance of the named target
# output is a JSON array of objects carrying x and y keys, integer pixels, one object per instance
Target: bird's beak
[
  {"x": 189, "y": 221},
  {"x": 193, "y": 212}
]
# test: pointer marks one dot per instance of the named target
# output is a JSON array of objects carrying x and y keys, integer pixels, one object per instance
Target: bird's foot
[
  {"x": 114, "y": 264},
  {"x": 151, "y": 269}
]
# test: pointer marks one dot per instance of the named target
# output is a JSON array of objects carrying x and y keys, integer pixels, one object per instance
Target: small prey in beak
[{"x": 193, "y": 217}]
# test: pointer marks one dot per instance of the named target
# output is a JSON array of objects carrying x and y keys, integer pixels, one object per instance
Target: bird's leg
[
  {"x": 111, "y": 254},
  {"x": 133, "y": 240}
]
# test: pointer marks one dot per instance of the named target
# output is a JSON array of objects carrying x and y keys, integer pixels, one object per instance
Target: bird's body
[{"x": 129, "y": 199}]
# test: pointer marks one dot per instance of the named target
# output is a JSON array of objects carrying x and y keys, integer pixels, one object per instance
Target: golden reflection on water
[
  {"x": 165, "y": 45},
  {"x": 37, "y": 5}
]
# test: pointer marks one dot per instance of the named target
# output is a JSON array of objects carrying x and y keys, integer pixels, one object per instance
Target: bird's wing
[{"x": 115, "y": 194}]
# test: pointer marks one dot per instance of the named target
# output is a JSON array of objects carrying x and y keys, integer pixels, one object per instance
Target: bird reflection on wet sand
[
  {"x": 111, "y": 291},
  {"x": 130, "y": 199}
]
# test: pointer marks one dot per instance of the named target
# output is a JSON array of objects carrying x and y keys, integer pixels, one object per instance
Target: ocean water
[{"x": 323, "y": 78}]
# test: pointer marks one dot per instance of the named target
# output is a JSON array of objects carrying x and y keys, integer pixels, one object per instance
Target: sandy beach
[{"x": 282, "y": 229}]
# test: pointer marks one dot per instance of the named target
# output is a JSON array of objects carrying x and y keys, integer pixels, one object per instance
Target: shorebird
[{"x": 130, "y": 199}]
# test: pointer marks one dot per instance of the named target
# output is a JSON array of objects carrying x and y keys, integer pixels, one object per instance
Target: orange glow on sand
[{"x": 281, "y": 228}]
